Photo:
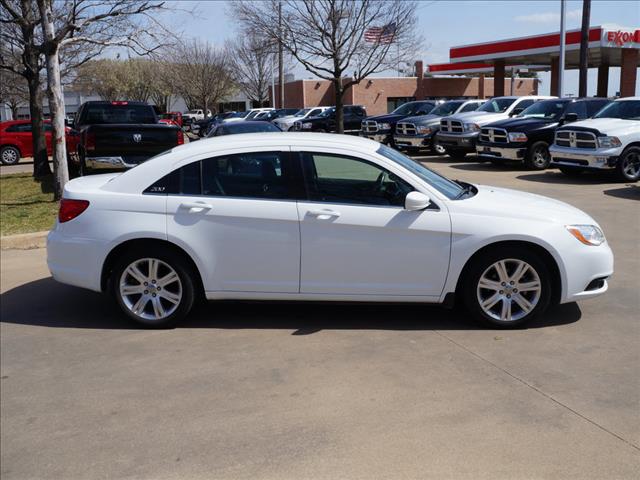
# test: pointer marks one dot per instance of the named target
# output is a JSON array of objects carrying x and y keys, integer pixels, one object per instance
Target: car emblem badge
[
  {"x": 137, "y": 137},
  {"x": 492, "y": 136},
  {"x": 572, "y": 138}
]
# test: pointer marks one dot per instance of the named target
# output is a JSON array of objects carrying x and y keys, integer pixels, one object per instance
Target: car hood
[
  {"x": 423, "y": 119},
  {"x": 498, "y": 202},
  {"x": 526, "y": 124},
  {"x": 607, "y": 126},
  {"x": 481, "y": 118},
  {"x": 386, "y": 118}
]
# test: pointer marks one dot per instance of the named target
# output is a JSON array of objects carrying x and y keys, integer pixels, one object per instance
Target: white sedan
[{"x": 318, "y": 217}]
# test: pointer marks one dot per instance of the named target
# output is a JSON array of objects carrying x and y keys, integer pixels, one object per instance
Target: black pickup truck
[
  {"x": 119, "y": 135},
  {"x": 326, "y": 121},
  {"x": 526, "y": 137}
]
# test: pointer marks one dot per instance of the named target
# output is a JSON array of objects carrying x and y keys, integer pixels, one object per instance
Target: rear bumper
[
  {"x": 599, "y": 159},
  {"x": 506, "y": 153},
  {"x": 74, "y": 261},
  {"x": 111, "y": 163},
  {"x": 462, "y": 141}
]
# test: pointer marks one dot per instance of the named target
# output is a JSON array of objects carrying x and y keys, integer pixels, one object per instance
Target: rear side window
[
  {"x": 19, "y": 128},
  {"x": 524, "y": 104},
  {"x": 185, "y": 180},
  {"x": 470, "y": 107},
  {"x": 594, "y": 106}
]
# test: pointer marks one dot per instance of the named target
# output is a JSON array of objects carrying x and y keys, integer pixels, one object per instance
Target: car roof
[{"x": 625, "y": 99}]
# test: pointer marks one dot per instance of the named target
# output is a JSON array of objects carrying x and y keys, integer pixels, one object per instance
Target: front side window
[
  {"x": 20, "y": 128},
  {"x": 446, "y": 108},
  {"x": 594, "y": 106},
  {"x": 470, "y": 107},
  {"x": 340, "y": 179},
  {"x": 578, "y": 108},
  {"x": 548, "y": 109},
  {"x": 496, "y": 105}
]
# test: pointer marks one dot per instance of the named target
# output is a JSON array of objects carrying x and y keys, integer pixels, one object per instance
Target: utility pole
[
  {"x": 563, "y": 11},
  {"x": 584, "y": 47},
  {"x": 280, "y": 56}
]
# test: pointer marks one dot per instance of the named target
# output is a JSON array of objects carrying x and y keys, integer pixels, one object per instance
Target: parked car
[
  {"x": 608, "y": 141},
  {"x": 286, "y": 123},
  {"x": 250, "y": 126},
  {"x": 319, "y": 217},
  {"x": 380, "y": 127},
  {"x": 272, "y": 115},
  {"x": 16, "y": 140},
  {"x": 415, "y": 133},
  {"x": 120, "y": 135},
  {"x": 248, "y": 115},
  {"x": 195, "y": 115},
  {"x": 172, "y": 117},
  {"x": 458, "y": 133},
  {"x": 526, "y": 137},
  {"x": 326, "y": 121}
]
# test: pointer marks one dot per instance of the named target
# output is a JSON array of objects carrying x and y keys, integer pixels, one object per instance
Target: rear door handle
[
  {"x": 324, "y": 213},
  {"x": 196, "y": 207}
]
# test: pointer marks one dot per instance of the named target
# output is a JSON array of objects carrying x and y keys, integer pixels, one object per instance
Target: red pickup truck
[{"x": 16, "y": 140}]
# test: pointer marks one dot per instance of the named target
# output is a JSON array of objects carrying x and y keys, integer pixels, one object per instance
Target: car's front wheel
[
  {"x": 153, "y": 286},
  {"x": 538, "y": 156},
  {"x": 437, "y": 148},
  {"x": 507, "y": 287},
  {"x": 629, "y": 165},
  {"x": 9, "y": 155}
]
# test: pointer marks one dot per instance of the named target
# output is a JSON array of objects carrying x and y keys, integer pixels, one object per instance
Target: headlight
[
  {"x": 422, "y": 130},
  {"x": 517, "y": 137},
  {"x": 609, "y": 142},
  {"x": 587, "y": 234},
  {"x": 472, "y": 127},
  {"x": 384, "y": 126},
  {"x": 306, "y": 125}
]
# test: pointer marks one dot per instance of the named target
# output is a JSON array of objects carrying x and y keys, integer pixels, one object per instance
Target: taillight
[
  {"x": 70, "y": 209},
  {"x": 120, "y": 102},
  {"x": 90, "y": 144},
  {"x": 180, "y": 137}
]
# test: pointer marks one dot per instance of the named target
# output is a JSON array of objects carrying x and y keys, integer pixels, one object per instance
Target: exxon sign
[{"x": 621, "y": 38}]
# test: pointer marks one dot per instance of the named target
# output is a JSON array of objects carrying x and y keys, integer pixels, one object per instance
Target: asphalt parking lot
[{"x": 281, "y": 391}]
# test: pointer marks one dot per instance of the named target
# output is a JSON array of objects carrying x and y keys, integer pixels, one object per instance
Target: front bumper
[
  {"x": 585, "y": 266},
  {"x": 598, "y": 159},
  {"x": 412, "y": 141},
  {"x": 505, "y": 153},
  {"x": 460, "y": 141},
  {"x": 381, "y": 137}
]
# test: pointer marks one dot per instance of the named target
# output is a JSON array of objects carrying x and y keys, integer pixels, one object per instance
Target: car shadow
[
  {"x": 630, "y": 192},
  {"x": 47, "y": 303},
  {"x": 488, "y": 166},
  {"x": 585, "y": 178}
]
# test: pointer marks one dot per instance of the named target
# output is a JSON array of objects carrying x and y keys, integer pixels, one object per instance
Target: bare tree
[
  {"x": 20, "y": 54},
  {"x": 14, "y": 91},
  {"x": 204, "y": 73},
  {"x": 334, "y": 38},
  {"x": 252, "y": 61}
]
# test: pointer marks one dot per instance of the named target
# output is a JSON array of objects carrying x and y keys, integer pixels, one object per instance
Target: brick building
[{"x": 383, "y": 94}]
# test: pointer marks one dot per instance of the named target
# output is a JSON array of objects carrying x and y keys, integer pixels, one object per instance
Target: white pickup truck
[
  {"x": 195, "y": 115},
  {"x": 610, "y": 140},
  {"x": 458, "y": 133}
]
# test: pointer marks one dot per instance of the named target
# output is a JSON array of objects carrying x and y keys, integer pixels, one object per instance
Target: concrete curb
[{"x": 24, "y": 241}]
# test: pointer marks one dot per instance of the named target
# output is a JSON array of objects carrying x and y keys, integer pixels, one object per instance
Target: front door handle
[
  {"x": 196, "y": 207},
  {"x": 323, "y": 214}
]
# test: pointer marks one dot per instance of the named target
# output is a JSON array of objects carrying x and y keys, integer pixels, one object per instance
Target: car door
[
  {"x": 357, "y": 238},
  {"x": 236, "y": 214}
]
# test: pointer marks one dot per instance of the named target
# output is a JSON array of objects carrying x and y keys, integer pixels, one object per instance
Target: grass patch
[{"x": 26, "y": 205}]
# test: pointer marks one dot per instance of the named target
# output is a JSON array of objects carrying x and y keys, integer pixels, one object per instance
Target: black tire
[
  {"x": 571, "y": 171},
  {"x": 628, "y": 167},
  {"x": 483, "y": 264},
  {"x": 437, "y": 148},
  {"x": 9, "y": 155},
  {"x": 456, "y": 154},
  {"x": 186, "y": 283},
  {"x": 82, "y": 166},
  {"x": 538, "y": 156}
]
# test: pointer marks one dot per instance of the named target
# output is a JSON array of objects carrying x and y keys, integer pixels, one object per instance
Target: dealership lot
[{"x": 331, "y": 391}]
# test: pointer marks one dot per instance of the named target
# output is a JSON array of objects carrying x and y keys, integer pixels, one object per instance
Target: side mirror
[
  {"x": 416, "y": 201},
  {"x": 570, "y": 117}
]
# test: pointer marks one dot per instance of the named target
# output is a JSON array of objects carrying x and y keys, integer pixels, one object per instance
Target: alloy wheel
[
  {"x": 631, "y": 165},
  {"x": 508, "y": 290},
  {"x": 9, "y": 156},
  {"x": 541, "y": 157},
  {"x": 150, "y": 289}
]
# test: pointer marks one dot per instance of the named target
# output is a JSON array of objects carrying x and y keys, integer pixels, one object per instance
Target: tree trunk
[
  {"x": 280, "y": 57},
  {"x": 337, "y": 84},
  {"x": 56, "y": 98},
  {"x": 41, "y": 166}
]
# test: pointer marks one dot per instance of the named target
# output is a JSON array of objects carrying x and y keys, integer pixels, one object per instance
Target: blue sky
[{"x": 447, "y": 23}]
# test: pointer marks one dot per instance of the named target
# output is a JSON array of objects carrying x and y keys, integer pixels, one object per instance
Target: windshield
[
  {"x": 445, "y": 186},
  {"x": 251, "y": 127},
  {"x": 252, "y": 115},
  {"x": 496, "y": 105},
  {"x": 446, "y": 108},
  {"x": 238, "y": 115},
  {"x": 328, "y": 112},
  {"x": 545, "y": 109},
  {"x": 301, "y": 113},
  {"x": 110, "y": 114},
  {"x": 625, "y": 110},
  {"x": 412, "y": 108}
]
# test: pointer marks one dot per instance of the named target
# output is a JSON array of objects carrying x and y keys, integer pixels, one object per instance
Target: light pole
[{"x": 563, "y": 9}]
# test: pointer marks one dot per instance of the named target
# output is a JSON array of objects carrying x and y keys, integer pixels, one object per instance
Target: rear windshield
[{"x": 109, "y": 114}]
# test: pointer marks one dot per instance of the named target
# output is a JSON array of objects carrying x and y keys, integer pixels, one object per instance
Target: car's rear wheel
[
  {"x": 628, "y": 167},
  {"x": 154, "y": 287},
  {"x": 538, "y": 156},
  {"x": 9, "y": 155},
  {"x": 507, "y": 287},
  {"x": 456, "y": 154}
]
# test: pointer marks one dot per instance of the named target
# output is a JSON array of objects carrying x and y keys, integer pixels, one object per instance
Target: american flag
[{"x": 384, "y": 34}]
